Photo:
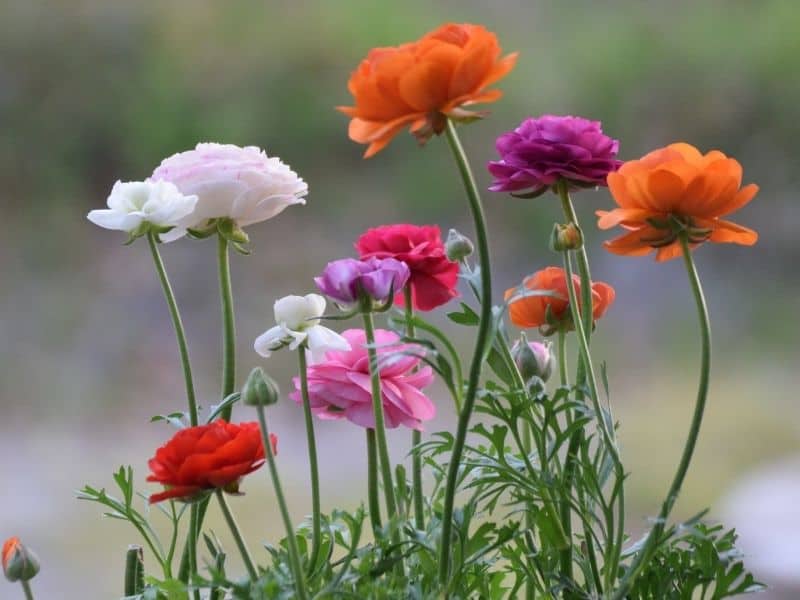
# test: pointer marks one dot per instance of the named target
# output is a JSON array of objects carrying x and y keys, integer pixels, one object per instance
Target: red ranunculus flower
[
  {"x": 205, "y": 457},
  {"x": 433, "y": 276}
]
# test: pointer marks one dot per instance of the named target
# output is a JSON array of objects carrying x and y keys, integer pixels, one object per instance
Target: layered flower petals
[
  {"x": 206, "y": 457},
  {"x": 676, "y": 191},
  {"x": 433, "y": 276},
  {"x": 542, "y": 151},
  {"x": 339, "y": 387},
  {"x": 417, "y": 84},
  {"x": 546, "y": 301}
]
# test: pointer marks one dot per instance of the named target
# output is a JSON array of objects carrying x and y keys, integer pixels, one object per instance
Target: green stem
[
  {"x": 372, "y": 482},
  {"x": 291, "y": 541},
  {"x": 481, "y": 347},
  {"x": 228, "y": 324},
  {"x": 316, "y": 522},
  {"x": 653, "y": 537},
  {"x": 134, "y": 571},
  {"x": 26, "y": 587},
  {"x": 237, "y": 535},
  {"x": 583, "y": 262},
  {"x": 562, "y": 357},
  {"x": 416, "y": 436},
  {"x": 377, "y": 410},
  {"x": 177, "y": 324}
]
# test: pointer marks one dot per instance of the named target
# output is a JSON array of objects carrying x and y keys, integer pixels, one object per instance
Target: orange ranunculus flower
[
  {"x": 206, "y": 457},
  {"x": 550, "y": 311},
  {"x": 421, "y": 83},
  {"x": 676, "y": 189}
]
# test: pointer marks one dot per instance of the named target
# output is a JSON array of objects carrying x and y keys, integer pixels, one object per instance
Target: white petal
[
  {"x": 321, "y": 339},
  {"x": 316, "y": 305},
  {"x": 173, "y": 234},
  {"x": 269, "y": 340},
  {"x": 113, "y": 219},
  {"x": 298, "y": 337},
  {"x": 291, "y": 310}
]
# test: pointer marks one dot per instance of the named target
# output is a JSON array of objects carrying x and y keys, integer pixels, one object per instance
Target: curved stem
[
  {"x": 237, "y": 535},
  {"x": 377, "y": 410},
  {"x": 316, "y": 523},
  {"x": 372, "y": 482},
  {"x": 291, "y": 541},
  {"x": 228, "y": 324},
  {"x": 26, "y": 587},
  {"x": 416, "y": 436},
  {"x": 694, "y": 429},
  {"x": 481, "y": 344},
  {"x": 562, "y": 357},
  {"x": 177, "y": 324}
]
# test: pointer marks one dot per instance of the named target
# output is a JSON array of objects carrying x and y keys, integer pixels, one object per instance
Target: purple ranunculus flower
[
  {"x": 343, "y": 280},
  {"x": 540, "y": 152}
]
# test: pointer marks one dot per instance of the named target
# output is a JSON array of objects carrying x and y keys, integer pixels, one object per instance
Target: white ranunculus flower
[
  {"x": 134, "y": 203},
  {"x": 297, "y": 319},
  {"x": 241, "y": 184}
]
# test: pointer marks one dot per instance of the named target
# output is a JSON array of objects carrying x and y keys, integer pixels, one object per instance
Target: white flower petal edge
[
  {"x": 298, "y": 322},
  {"x": 132, "y": 203}
]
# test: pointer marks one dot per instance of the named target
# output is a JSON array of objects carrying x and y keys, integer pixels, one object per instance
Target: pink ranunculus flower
[
  {"x": 339, "y": 387},
  {"x": 242, "y": 184}
]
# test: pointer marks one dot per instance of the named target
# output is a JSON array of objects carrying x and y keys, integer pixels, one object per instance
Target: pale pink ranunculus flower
[
  {"x": 242, "y": 184},
  {"x": 339, "y": 387}
]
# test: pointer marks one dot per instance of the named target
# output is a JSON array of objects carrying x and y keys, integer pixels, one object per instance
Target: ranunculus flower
[
  {"x": 241, "y": 184},
  {"x": 533, "y": 359},
  {"x": 20, "y": 563},
  {"x": 433, "y": 276},
  {"x": 207, "y": 457},
  {"x": 531, "y": 311},
  {"x": 339, "y": 387},
  {"x": 673, "y": 189},
  {"x": 420, "y": 84},
  {"x": 344, "y": 280},
  {"x": 297, "y": 319},
  {"x": 541, "y": 151},
  {"x": 133, "y": 205}
]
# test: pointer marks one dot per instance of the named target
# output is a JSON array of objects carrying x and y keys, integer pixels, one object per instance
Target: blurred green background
[{"x": 95, "y": 91}]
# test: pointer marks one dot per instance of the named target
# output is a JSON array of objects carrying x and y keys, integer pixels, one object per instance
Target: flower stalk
[
  {"x": 481, "y": 346},
  {"x": 316, "y": 521},
  {"x": 653, "y": 538},
  {"x": 228, "y": 324},
  {"x": 416, "y": 435},
  {"x": 372, "y": 482},
  {"x": 237, "y": 534},
  {"x": 291, "y": 541}
]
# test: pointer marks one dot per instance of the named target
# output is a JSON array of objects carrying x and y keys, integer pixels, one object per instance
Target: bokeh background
[{"x": 94, "y": 91}]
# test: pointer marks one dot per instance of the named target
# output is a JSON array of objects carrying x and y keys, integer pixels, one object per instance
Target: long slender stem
[
  {"x": 316, "y": 522},
  {"x": 562, "y": 357},
  {"x": 26, "y": 587},
  {"x": 377, "y": 410},
  {"x": 177, "y": 324},
  {"x": 416, "y": 436},
  {"x": 583, "y": 262},
  {"x": 237, "y": 535},
  {"x": 694, "y": 430},
  {"x": 228, "y": 324},
  {"x": 481, "y": 347},
  {"x": 183, "y": 349},
  {"x": 372, "y": 482},
  {"x": 291, "y": 541}
]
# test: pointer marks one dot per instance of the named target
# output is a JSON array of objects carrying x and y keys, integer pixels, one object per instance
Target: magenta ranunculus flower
[
  {"x": 339, "y": 386},
  {"x": 344, "y": 280},
  {"x": 540, "y": 152}
]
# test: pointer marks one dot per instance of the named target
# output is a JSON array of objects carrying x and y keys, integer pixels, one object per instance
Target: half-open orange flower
[
  {"x": 421, "y": 83},
  {"x": 672, "y": 191},
  {"x": 552, "y": 311}
]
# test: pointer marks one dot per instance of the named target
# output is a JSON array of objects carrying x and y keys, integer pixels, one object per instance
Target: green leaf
[{"x": 467, "y": 316}]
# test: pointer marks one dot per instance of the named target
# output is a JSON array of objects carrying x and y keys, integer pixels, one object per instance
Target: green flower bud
[
  {"x": 566, "y": 237},
  {"x": 458, "y": 246},
  {"x": 19, "y": 562},
  {"x": 533, "y": 359},
  {"x": 260, "y": 389}
]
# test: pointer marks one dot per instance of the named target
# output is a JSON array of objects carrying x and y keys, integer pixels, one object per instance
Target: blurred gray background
[{"x": 94, "y": 91}]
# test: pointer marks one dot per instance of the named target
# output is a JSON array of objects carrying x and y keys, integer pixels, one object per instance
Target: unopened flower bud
[
  {"x": 566, "y": 237},
  {"x": 260, "y": 389},
  {"x": 458, "y": 246},
  {"x": 19, "y": 562},
  {"x": 533, "y": 359}
]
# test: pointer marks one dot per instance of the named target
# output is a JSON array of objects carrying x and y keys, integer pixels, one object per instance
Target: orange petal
[
  {"x": 629, "y": 244},
  {"x": 624, "y": 216},
  {"x": 424, "y": 87},
  {"x": 501, "y": 68},
  {"x": 742, "y": 197},
  {"x": 727, "y": 232},
  {"x": 666, "y": 188},
  {"x": 665, "y": 253}
]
